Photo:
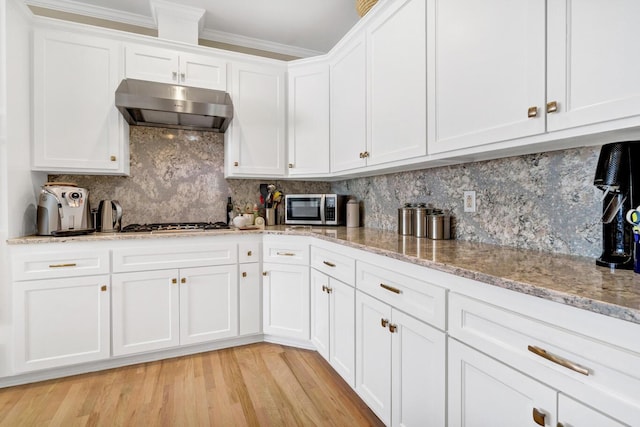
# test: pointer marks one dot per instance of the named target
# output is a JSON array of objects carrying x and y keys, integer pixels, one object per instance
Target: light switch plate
[{"x": 469, "y": 201}]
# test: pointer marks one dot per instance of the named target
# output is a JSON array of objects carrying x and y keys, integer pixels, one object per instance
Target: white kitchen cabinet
[
  {"x": 397, "y": 96},
  {"x": 400, "y": 365},
  {"x": 591, "y": 76},
  {"x": 61, "y": 322},
  {"x": 486, "y": 72},
  {"x": 308, "y": 114},
  {"x": 76, "y": 126},
  {"x": 574, "y": 413},
  {"x": 170, "y": 66},
  {"x": 255, "y": 141},
  {"x": 483, "y": 392},
  {"x": 158, "y": 309},
  {"x": 285, "y": 291},
  {"x": 250, "y": 298},
  {"x": 333, "y": 323},
  {"x": 348, "y": 105}
]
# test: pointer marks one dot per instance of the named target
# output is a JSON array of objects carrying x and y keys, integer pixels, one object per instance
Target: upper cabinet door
[
  {"x": 308, "y": 133},
  {"x": 169, "y": 66},
  {"x": 486, "y": 71},
  {"x": 396, "y": 68},
  {"x": 348, "y": 103},
  {"x": 255, "y": 140},
  {"x": 77, "y": 127},
  {"x": 592, "y": 69}
]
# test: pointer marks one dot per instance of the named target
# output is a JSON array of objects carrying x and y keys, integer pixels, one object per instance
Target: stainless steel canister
[
  {"x": 420, "y": 222},
  {"x": 405, "y": 220},
  {"x": 439, "y": 226}
]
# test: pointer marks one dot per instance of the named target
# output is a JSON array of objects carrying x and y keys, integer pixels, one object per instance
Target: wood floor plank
[{"x": 255, "y": 385}]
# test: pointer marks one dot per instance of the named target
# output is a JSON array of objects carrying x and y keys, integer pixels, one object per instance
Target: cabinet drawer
[
  {"x": 417, "y": 298},
  {"x": 333, "y": 264},
  {"x": 248, "y": 252},
  {"x": 554, "y": 355},
  {"x": 51, "y": 265},
  {"x": 173, "y": 256},
  {"x": 286, "y": 251}
]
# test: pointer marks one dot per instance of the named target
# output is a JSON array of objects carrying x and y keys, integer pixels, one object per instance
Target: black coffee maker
[{"x": 618, "y": 175}]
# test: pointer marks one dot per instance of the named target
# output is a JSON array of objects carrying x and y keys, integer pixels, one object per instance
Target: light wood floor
[{"x": 254, "y": 385}]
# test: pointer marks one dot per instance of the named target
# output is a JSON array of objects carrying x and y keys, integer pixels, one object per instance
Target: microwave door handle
[{"x": 322, "y": 205}]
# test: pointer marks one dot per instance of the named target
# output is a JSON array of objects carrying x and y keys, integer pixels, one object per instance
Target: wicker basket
[{"x": 363, "y": 6}]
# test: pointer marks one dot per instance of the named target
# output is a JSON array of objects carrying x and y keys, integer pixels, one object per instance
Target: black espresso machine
[{"x": 618, "y": 176}]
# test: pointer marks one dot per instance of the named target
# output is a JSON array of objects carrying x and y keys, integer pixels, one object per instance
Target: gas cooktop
[{"x": 169, "y": 227}]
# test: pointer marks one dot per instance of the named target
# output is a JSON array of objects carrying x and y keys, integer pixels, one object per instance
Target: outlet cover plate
[{"x": 469, "y": 201}]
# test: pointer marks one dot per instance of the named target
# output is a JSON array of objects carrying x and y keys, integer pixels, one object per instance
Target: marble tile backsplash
[
  {"x": 178, "y": 176},
  {"x": 544, "y": 201}
]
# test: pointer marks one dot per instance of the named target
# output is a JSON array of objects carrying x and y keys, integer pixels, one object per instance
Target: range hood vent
[{"x": 145, "y": 103}]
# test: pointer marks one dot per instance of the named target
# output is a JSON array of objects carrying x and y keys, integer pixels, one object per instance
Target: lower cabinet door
[
  {"x": 342, "y": 330},
  {"x": 573, "y": 413},
  {"x": 250, "y": 299},
  {"x": 484, "y": 392},
  {"x": 61, "y": 322},
  {"x": 145, "y": 310},
  {"x": 418, "y": 373},
  {"x": 320, "y": 312},
  {"x": 373, "y": 355},
  {"x": 208, "y": 303},
  {"x": 286, "y": 300}
]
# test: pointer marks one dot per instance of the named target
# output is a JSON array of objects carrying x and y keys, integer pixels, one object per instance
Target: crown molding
[{"x": 238, "y": 40}]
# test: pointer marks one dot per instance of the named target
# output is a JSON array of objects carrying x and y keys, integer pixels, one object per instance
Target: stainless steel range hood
[{"x": 145, "y": 103}]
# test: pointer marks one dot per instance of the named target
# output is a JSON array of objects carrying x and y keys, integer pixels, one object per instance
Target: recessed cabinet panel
[
  {"x": 77, "y": 127},
  {"x": 486, "y": 72},
  {"x": 151, "y": 63}
]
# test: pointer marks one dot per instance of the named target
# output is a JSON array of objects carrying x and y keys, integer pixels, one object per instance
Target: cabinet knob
[
  {"x": 384, "y": 322},
  {"x": 264, "y": 273},
  {"x": 183, "y": 280},
  {"x": 552, "y": 107},
  {"x": 182, "y": 77},
  {"x": 244, "y": 274},
  {"x": 393, "y": 328},
  {"x": 290, "y": 165},
  {"x": 113, "y": 158},
  {"x": 532, "y": 112},
  {"x": 361, "y": 155},
  {"x": 174, "y": 75},
  {"x": 103, "y": 288},
  {"x": 236, "y": 164},
  {"x": 249, "y": 253},
  {"x": 538, "y": 417},
  {"x": 174, "y": 281},
  {"x": 365, "y": 154}
]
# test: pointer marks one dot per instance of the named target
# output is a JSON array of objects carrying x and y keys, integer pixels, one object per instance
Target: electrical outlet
[{"x": 469, "y": 201}]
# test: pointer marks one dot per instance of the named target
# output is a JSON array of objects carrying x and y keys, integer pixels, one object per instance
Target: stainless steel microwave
[{"x": 314, "y": 209}]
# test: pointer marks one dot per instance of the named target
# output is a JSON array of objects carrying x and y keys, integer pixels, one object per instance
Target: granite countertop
[{"x": 571, "y": 280}]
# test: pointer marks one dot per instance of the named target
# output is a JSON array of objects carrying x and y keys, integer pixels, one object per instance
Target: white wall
[{"x": 17, "y": 182}]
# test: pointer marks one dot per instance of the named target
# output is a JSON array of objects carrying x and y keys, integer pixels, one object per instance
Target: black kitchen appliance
[{"x": 618, "y": 175}]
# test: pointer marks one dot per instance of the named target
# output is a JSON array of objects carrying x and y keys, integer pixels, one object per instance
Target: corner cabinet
[
  {"x": 308, "y": 126},
  {"x": 76, "y": 126},
  {"x": 255, "y": 141}
]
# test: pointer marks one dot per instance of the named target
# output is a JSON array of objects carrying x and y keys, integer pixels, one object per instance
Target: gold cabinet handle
[
  {"x": 390, "y": 288},
  {"x": 236, "y": 164},
  {"x": 559, "y": 425},
  {"x": 71, "y": 264},
  {"x": 113, "y": 158},
  {"x": 552, "y": 107},
  {"x": 244, "y": 274},
  {"x": 558, "y": 360},
  {"x": 285, "y": 254},
  {"x": 393, "y": 328},
  {"x": 103, "y": 288},
  {"x": 330, "y": 264},
  {"x": 532, "y": 112},
  {"x": 365, "y": 154},
  {"x": 183, "y": 280},
  {"x": 264, "y": 273},
  {"x": 174, "y": 281},
  {"x": 324, "y": 288},
  {"x": 249, "y": 253},
  {"x": 384, "y": 322},
  {"x": 362, "y": 155},
  {"x": 538, "y": 417},
  {"x": 329, "y": 290},
  {"x": 290, "y": 165}
]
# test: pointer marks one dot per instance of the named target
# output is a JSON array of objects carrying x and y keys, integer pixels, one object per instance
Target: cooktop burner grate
[{"x": 168, "y": 227}]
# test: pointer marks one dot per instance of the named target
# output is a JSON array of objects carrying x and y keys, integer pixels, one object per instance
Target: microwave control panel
[{"x": 330, "y": 209}]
